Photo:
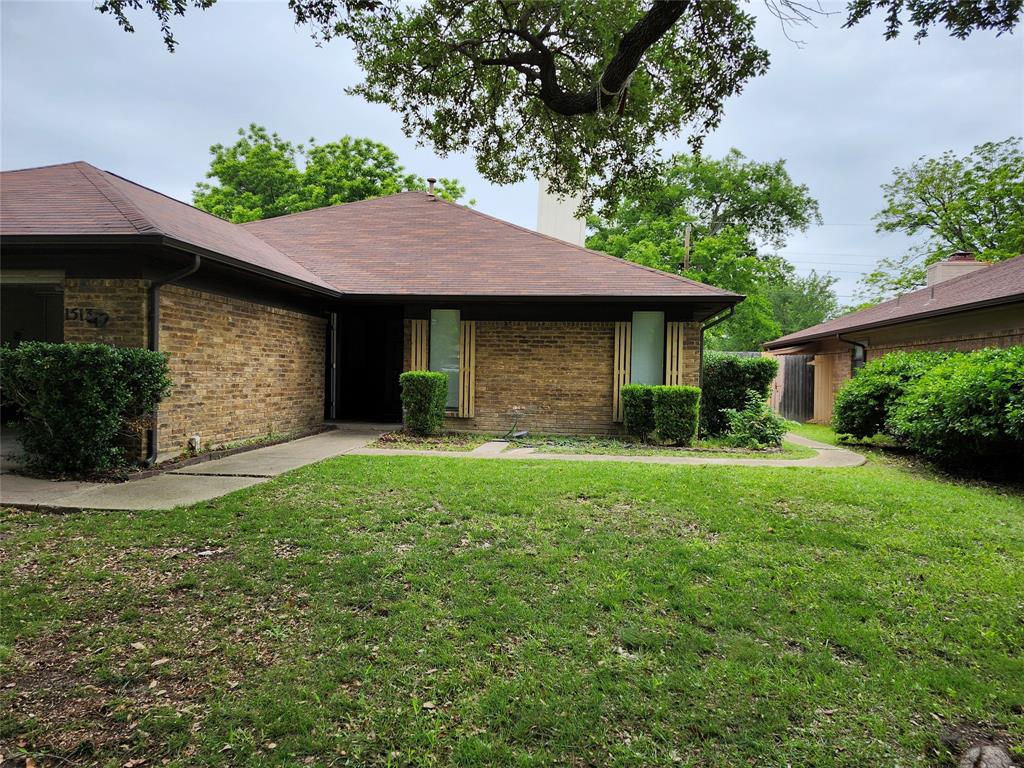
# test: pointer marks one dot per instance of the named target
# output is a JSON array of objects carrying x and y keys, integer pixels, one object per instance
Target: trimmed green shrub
[
  {"x": 79, "y": 403},
  {"x": 727, "y": 379},
  {"x": 755, "y": 425},
  {"x": 864, "y": 404},
  {"x": 424, "y": 394},
  {"x": 638, "y": 410},
  {"x": 676, "y": 413},
  {"x": 967, "y": 411}
]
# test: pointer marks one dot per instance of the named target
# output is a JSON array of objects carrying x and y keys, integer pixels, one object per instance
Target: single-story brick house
[
  {"x": 280, "y": 324},
  {"x": 966, "y": 305}
]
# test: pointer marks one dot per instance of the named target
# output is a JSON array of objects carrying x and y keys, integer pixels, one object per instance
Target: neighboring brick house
[
  {"x": 966, "y": 305},
  {"x": 277, "y": 325}
]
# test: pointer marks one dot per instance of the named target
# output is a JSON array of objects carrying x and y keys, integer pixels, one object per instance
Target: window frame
[
  {"x": 658, "y": 350},
  {"x": 434, "y": 365}
]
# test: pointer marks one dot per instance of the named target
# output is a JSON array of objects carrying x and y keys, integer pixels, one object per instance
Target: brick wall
[
  {"x": 691, "y": 354},
  {"x": 959, "y": 343},
  {"x": 240, "y": 369},
  {"x": 124, "y": 302},
  {"x": 560, "y": 372}
]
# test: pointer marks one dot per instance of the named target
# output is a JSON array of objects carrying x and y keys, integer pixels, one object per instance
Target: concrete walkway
[
  {"x": 211, "y": 479},
  {"x": 827, "y": 456},
  {"x": 188, "y": 485}
]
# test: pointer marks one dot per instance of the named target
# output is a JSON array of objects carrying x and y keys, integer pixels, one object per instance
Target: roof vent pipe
[{"x": 430, "y": 186}]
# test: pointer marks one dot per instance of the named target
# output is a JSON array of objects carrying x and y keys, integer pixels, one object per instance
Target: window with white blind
[
  {"x": 647, "y": 358},
  {"x": 444, "y": 349}
]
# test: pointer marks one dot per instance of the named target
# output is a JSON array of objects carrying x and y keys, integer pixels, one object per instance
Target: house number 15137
[{"x": 90, "y": 315}]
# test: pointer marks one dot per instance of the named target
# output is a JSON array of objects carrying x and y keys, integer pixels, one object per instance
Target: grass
[
  {"x": 418, "y": 611},
  {"x": 617, "y": 446}
]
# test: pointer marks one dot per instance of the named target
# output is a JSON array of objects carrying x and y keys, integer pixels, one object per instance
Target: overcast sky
[{"x": 843, "y": 110}]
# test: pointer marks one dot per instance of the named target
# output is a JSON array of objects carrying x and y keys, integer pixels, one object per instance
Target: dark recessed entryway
[
  {"x": 369, "y": 361},
  {"x": 31, "y": 313}
]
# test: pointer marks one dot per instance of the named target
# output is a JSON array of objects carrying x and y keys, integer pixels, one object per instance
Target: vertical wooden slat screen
[
  {"x": 824, "y": 394},
  {"x": 674, "y": 372},
  {"x": 419, "y": 359},
  {"x": 623, "y": 354},
  {"x": 467, "y": 368}
]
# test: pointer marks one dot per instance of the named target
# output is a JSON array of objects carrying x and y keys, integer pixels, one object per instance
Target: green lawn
[{"x": 422, "y": 611}]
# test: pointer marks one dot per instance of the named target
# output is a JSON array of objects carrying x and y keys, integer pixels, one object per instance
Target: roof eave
[
  {"x": 151, "y": 238},
  {"x": 244, "y": 266},
  {"x": 575, "y": 298},
  {"x": 790, "y": 341}
]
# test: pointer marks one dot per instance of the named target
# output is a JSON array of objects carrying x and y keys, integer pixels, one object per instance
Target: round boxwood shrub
[
  {"x": 676, "y": 413},
  {"x": 967, "y": 411},
  {"x": 79, "y": 403},
  {"x": 864, "y": 404},
  {"x": 424, "y": 394},
  {"x": 727, "y": 379},
  {"x": 638, "y": 410}
]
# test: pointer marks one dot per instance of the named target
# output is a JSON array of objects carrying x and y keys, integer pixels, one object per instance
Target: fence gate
[{"x": 796, "y": 401}]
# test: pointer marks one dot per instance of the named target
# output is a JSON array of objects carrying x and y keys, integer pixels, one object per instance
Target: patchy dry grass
[
  {"x": 622, "y": 446},
  {"x": 422, "y": 611},
  {"x": 446, "y": 441}
]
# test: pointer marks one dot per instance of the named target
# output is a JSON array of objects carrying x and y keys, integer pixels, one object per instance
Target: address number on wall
[{"x": 90, "y": 315}]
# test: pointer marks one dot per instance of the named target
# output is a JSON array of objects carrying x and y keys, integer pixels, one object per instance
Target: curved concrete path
[
  {"x": 188, "y": 485},
  {"x": 215, "y": 478},
  {"x": 828, "y": 455}
]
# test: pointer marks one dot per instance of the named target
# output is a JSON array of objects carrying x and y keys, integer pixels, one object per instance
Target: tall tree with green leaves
[
  {"x": 802, "y": 301},
  {"x": 578, "y": 92},
  {"x": 972, "y": 203},
  {"x": 262, "y": 175},
  {"x": 736, "y": 210}
]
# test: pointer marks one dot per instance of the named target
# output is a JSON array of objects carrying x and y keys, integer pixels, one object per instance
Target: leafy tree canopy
[
  {"x": 973, "y": 203},
  {"x": 800, "y": 302},
  {"x": 577, "y": 92},
  {"x": 261, "y": 176},
  {"x": 734, "y": 206}
]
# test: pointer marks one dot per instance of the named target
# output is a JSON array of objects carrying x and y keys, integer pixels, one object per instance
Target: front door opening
[{"x": 369, "y": 361}]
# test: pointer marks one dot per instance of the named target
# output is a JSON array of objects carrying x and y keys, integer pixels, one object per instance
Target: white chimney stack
[
  {"x": 556, "y": 216},
  {"x": 959, "y": 263}
]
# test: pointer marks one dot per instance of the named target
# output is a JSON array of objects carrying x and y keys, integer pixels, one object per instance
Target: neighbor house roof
[
  {"x": 415, "y": 244},
  {"x": 1001, "y": 283},
  {"x": 76, "y": 199},
  {"x": 409, "y": 244}
]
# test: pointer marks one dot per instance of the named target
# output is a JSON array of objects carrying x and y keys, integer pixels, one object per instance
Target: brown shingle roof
[
  {"x": 1000, "y": 283},
  {"x": 79, "y": 199},
  {"x": 414, "y": 244},
  {"x": 409, "y": 244}
]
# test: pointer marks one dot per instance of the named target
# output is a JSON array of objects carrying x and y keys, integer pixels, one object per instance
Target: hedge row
[
  {"x": 671, "y": 412},
  {"x": 727, "y": 381},
  {"x": 865, "y": 403},
  {"x": 80, "y": 403},
  {"x": 963, "y": 410}
]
